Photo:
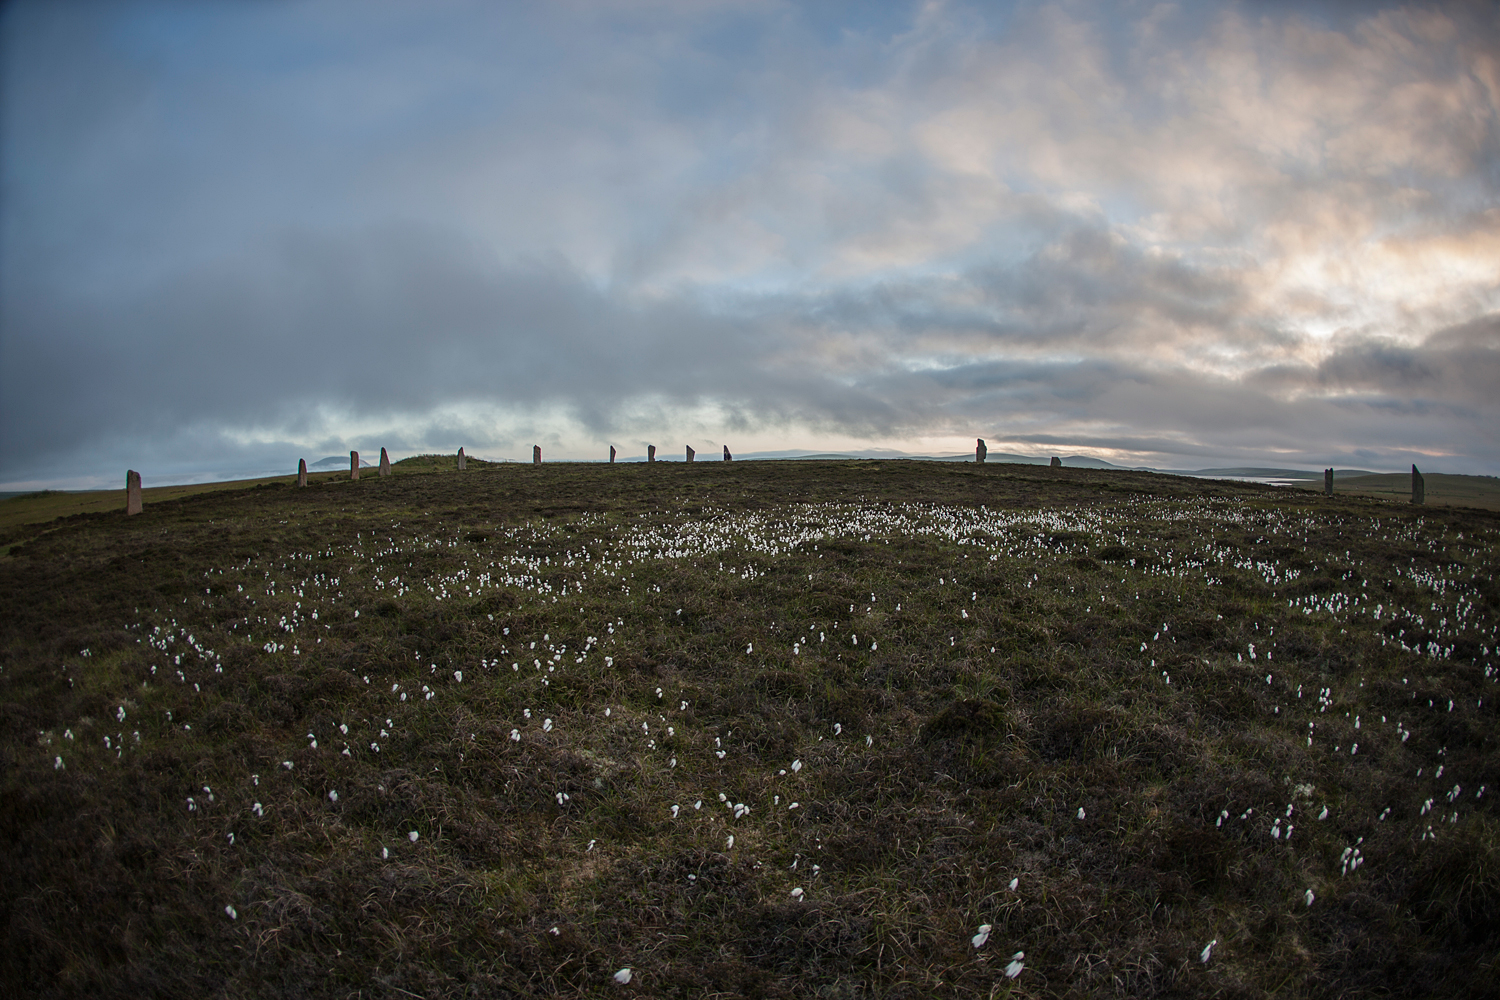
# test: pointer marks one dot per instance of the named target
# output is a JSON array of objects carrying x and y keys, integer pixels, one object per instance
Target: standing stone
[
  {"x": 1328, "y": 482},
  {"x": 354, "y": 465},
  {"x": 980, "y": 451},
  {"x": 690, "y": 453},
  {"x": 385, "y": 463},
  {"x": 536, "y": 454},
  {"x": 650, "y": 452},
  {"x": 727, "y": 457},
  {"x": 132, "y": 492},
  {"x": 611, "y": 454},
  {"x": 1418, "y": 487},
  {"x": 1056, "y": 462},
  {"x": 301, "y": 472},
  {"x": 463, "y": 460}
]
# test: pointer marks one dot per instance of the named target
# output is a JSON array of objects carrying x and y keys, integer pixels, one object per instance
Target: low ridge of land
[
  {"x": 1441, "y": 490},
  {"x": 39, "y": 508},
  {"x": 48, "y": 505}
]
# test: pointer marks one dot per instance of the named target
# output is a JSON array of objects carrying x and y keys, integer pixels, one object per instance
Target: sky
[{"x": 235, "y": 234}]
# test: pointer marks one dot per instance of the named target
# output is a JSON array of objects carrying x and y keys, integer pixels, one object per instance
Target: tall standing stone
[
  {"x": 354, "y": 465},
  {"x": 727, "y": 457},
  {"x": 536, "y": 454},
  {"x": 301, "y": 472},
  {"x": 1328, "y": 482},
  {"x": 1418, "y": 487},
  {"x": 611, "y": 454},
  {"x": 132, "y": 492},
  {"x": 650, "y": 452},
  {"x": 1056, "y": 462},
  {"x": 980, "y": 451},
  {"x": 463, "y": 460},
  {"x": 385, "y": 463},
  {"x": 690, "y": 453}
]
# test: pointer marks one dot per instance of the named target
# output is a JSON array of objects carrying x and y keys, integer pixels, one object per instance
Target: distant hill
[
  {"x": 334, "y": 462},
  {"x": 1069, "y": 461},
  {"x": 1256, "y": 473}
]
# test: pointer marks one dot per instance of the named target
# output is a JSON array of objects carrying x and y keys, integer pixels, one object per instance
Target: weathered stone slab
[
  {"x": 727, "y": 457},
  {"x": 301, "y": 472},
  {"x": 1328, "y": 482},
  {"x": 1418, "y": 487},
  {"x": 354, "y": 465},
  {"x": 980, "y": 451},
  {"x": 132, "y": 492},
  {"x": 463, "y": 460},
  {"x": 690, "y": 453},
  {"x": 385, "y": 463},
  {"x": 650, "y": 452},
  {"x": 1056, "y": 462},
  {"x": 536, "y": 454},
  {"x": 611, "y": 454}
]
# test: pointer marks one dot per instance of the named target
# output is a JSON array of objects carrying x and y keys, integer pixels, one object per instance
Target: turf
[{"x": 752, "y": 729}]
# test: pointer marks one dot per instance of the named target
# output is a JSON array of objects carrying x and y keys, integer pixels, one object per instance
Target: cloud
[{"x": 253, "y": 230}]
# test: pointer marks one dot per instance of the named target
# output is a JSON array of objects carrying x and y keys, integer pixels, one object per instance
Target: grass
[
  {"x": 1441, "y": 490},
  {"x": 20, "y": 513},
  {"x": 1102, "y": 713}
]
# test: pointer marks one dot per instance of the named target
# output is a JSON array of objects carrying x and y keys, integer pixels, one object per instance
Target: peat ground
[{"x": 770, "y": 729}]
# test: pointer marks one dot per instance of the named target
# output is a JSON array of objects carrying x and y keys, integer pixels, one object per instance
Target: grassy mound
[
  {"x": 440, "y": 463},
  {"x": 752, "y": 729}
]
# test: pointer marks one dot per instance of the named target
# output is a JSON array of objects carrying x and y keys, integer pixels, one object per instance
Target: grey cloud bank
[{"x": 240, "y": 234}]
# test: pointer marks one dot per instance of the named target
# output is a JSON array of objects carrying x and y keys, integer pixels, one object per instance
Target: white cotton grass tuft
[
  {"x": 797, "y": 894},
  {"x": 1080, "y": 812},
  {"x": 413, "y": 836},
  {"x": 1208, "y": 951},
  {"x": 1014, "y": 882},
  {"x": 978, "y": 940},
  {"x": 1017, "y": 963},
  {"x": 623, "y": 976},
  {"x": 1309, "y": 897},
  {"x": 231, "y": 912}
]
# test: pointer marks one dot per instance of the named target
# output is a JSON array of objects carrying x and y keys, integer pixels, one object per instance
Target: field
[
  {"x": 1466, "y": 491},
  {"x": 770, "y": 729},
  {"x": 39, "y": 508}
]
